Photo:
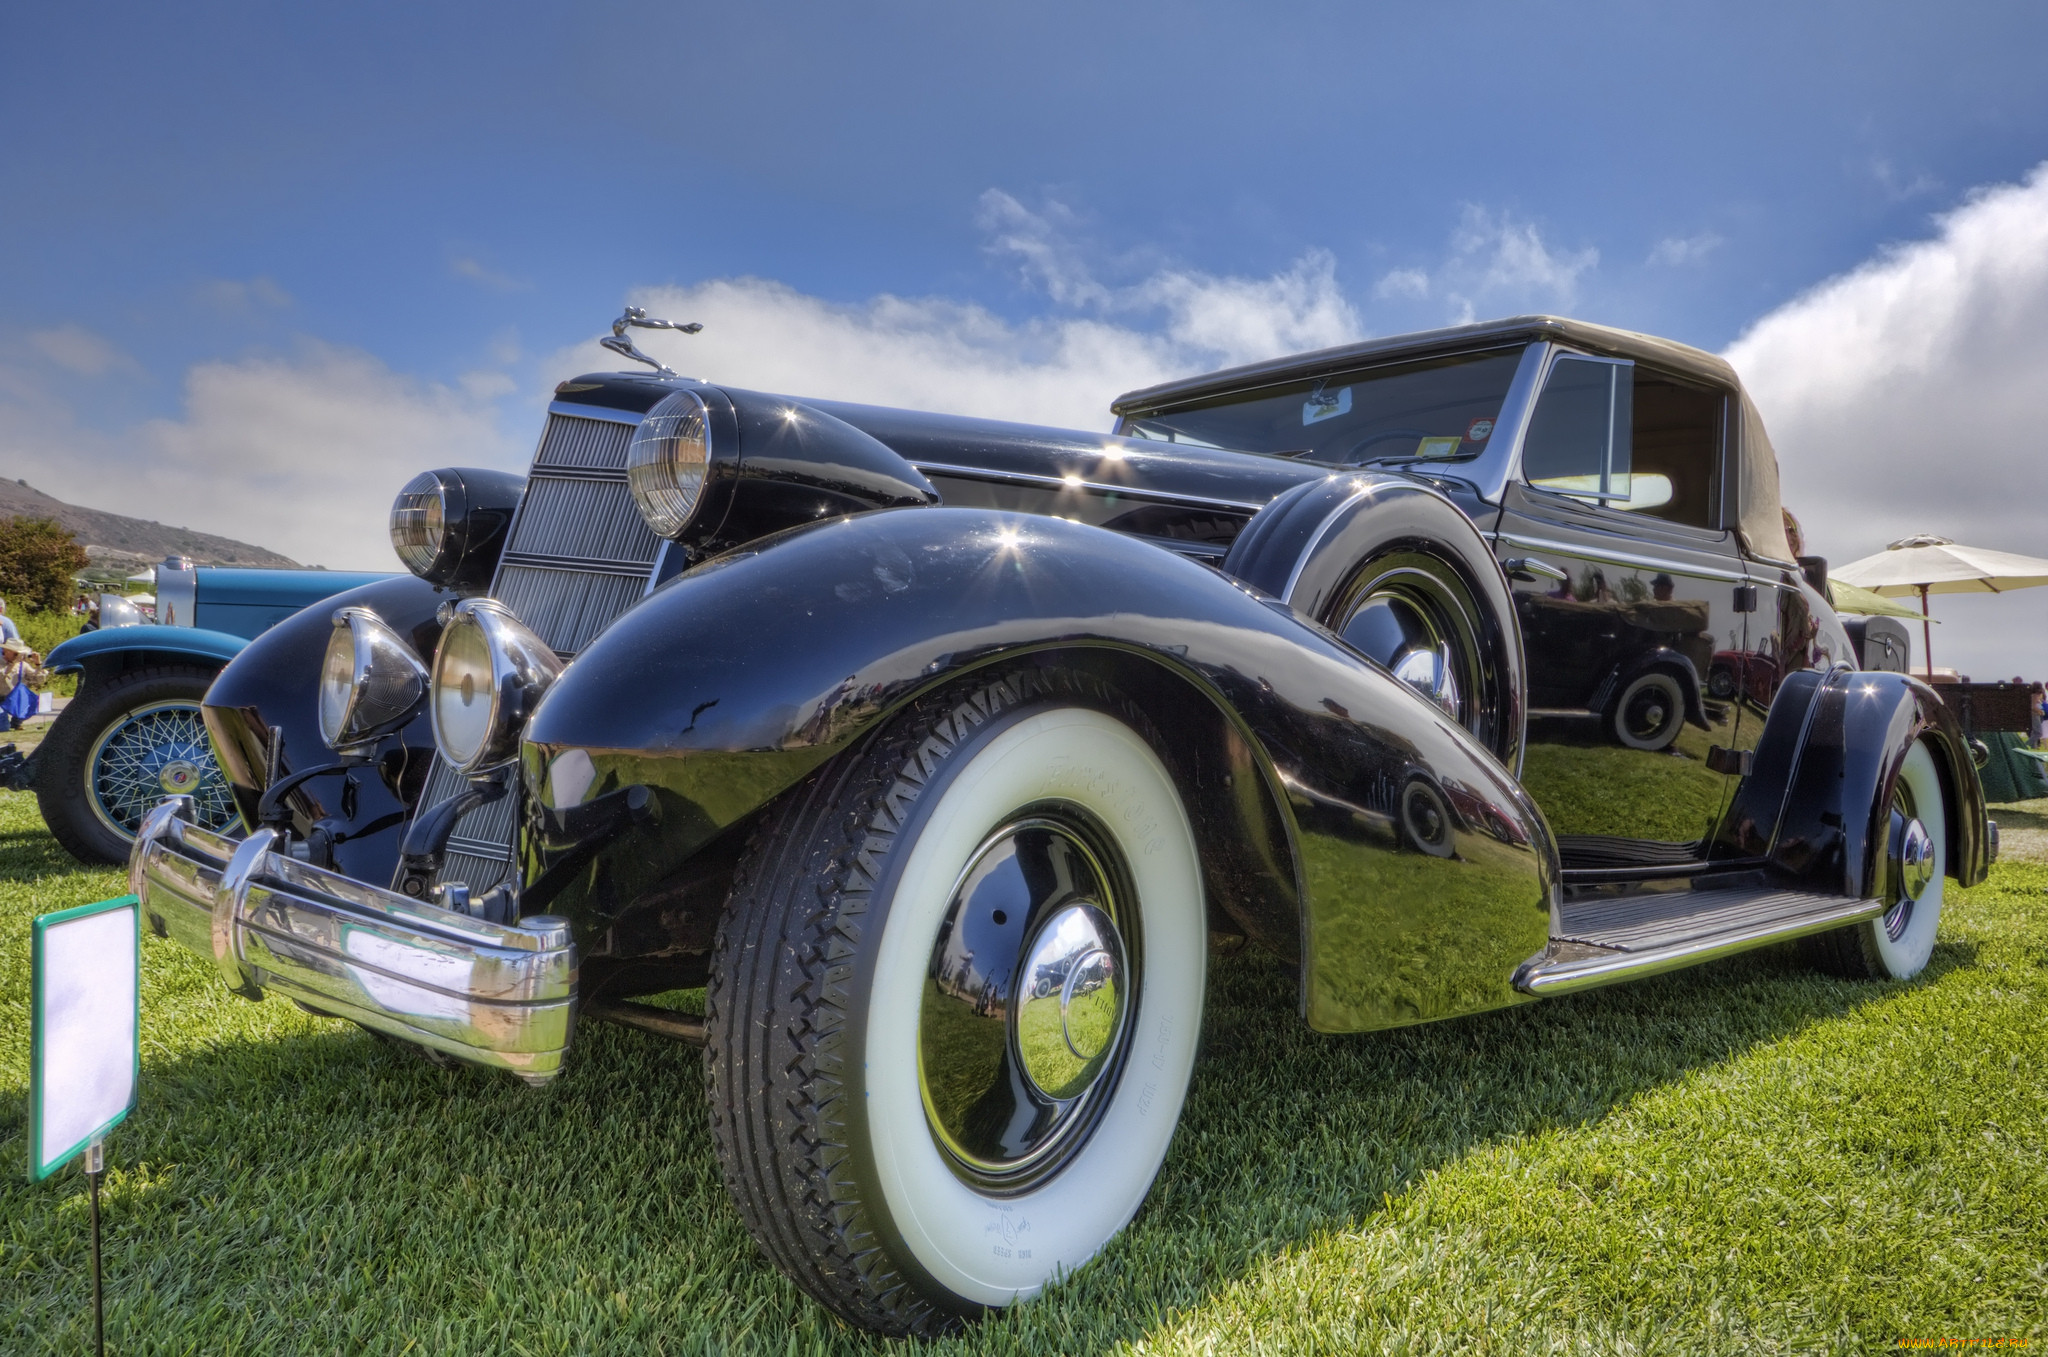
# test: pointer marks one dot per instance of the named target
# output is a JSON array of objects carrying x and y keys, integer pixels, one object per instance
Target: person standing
[{"x": 8, "y": 631}]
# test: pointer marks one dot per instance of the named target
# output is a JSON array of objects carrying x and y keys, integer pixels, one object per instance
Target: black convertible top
[{"x": 1762, "y": 523}]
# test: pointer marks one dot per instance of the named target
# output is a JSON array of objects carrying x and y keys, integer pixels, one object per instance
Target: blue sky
[{"x": 402, "y": 222}]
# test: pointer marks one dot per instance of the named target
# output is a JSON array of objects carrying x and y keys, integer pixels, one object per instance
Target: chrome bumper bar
[{"x": 494, "y": 994}]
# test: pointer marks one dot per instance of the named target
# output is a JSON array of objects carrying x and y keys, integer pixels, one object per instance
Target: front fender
[
  {"x": 270, "y": 693},
  {"x": 117, "y": 648},
  {"x": 733, "y": 681}
]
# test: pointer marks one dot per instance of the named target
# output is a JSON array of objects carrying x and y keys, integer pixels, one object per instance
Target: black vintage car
[{"x": 939, "y": 750}]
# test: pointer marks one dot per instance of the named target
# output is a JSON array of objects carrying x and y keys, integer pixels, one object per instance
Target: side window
[
  {"x": 1677, "y": 450},
  {"x": 1628, "y": 437},
  {"x": 1580, "y": 436}
]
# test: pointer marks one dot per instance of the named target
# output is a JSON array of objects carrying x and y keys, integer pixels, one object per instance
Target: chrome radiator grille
[{"x": 579, "y": 555}]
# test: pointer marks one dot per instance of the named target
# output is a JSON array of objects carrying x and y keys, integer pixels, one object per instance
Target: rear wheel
[
  {"x": 1897, "y": 944},
  {"x": 119, "y": 748},
  {"x": 954, "y": 1002},
  {"x": 1648, "y": 712}
]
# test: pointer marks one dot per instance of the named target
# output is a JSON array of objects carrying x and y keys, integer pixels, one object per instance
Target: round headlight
[
  {"x": 448, "y": 526},
  {"x": 666, "y": 464},
  {"x": 371, "y": 682},
  {"x": 488, "y": 675}
]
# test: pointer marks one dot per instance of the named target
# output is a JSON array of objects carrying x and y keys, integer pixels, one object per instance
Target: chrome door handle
[{"x": 1529, "y": 570}]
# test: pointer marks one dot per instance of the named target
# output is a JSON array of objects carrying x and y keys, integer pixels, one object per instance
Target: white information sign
[{"x": 85, "y": 1053}]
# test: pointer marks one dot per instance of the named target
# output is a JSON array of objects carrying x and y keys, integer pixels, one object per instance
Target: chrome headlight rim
[
  {"x": 521, "y": 668},
  {"x": 376, "y": 655},
  {"x": 669, "y": 463}
]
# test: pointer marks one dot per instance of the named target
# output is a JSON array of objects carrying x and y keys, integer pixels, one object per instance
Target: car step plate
[{"x": 1621, "y": 937}]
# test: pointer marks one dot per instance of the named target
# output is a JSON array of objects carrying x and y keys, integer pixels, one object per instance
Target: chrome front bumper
[{"x": 495, "y": 994}]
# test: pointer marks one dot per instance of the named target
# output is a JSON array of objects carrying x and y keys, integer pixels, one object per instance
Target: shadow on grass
[{"x": 301, "y": 1186}]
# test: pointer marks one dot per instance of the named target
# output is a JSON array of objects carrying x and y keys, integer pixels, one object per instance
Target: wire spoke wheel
[{"x": 155, "y": 751}]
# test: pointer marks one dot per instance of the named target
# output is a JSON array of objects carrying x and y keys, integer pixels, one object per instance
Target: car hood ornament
[{"x": 638, "y": 318}]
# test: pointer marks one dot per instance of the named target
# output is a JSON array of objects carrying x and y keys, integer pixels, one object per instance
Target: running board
[{"x": 1625, "y": 937}]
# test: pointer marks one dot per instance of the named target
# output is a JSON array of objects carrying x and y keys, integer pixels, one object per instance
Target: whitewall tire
[
  {"x": 956, "y": 1001},
  {"x": 1898, "y": 943}
]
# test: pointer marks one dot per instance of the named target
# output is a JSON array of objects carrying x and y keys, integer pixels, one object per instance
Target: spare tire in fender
[{"x": 1398, "y": 571}]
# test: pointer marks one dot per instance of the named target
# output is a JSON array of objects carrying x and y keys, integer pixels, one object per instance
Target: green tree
[{"x": 38, "y": 558}]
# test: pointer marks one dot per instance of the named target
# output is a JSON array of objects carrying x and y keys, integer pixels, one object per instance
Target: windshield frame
[{"x": 1488, "y": 473}]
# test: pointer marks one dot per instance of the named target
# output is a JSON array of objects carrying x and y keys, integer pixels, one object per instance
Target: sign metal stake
[{"x": 95, "y": 1169}]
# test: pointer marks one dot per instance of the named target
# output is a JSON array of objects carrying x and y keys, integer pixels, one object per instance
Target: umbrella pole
[{"x": 1926, "y": 635}]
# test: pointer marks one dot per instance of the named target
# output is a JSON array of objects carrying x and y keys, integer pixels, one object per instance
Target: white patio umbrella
[{"x": 1926, "y": 564}]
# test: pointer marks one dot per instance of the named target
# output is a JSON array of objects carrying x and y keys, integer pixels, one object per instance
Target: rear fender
[
  {"x": 1818, "y": 795},
  {"x": 732, "y": 682}
]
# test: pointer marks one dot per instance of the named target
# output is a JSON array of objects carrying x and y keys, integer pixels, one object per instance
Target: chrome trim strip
[
  {"x": 1315, "y": 542},
  {"x": 577, "y": 564},
  {"x": 1567, "y": 977},
  {"x": 1033, "y": 479},
  {"x": 1588, "y": 553},
  {"x": 552, "y": 472},
  {"x": 574, "y": 411}
]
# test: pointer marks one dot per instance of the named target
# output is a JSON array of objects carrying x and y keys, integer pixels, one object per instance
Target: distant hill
[{"x": 117, "y": 540}]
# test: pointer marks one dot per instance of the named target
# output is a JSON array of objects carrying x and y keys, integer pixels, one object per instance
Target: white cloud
[
  {"x": 1043, "y": 245},
  {"x": 299, "y": 454},
  {"x": 464, "y": 267},
  {"x": 1907, "y": 396},
  {"x": 1499, "y": 265},
  {"x": 77, "y": 349},
  {"x": 1402, "y": 283},
  {"x": 243, "y": 297},
  {"x": 1897, "y": 184},
  {"x": 938, "y": 354},
  {"x": 1678, "y": 251}
]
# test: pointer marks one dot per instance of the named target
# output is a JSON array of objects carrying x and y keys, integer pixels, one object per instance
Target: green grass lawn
[{"x": 1741, "y": 1158}]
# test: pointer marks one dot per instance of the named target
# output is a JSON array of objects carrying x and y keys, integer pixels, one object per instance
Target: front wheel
[
  {"x": 955, "y": 1001},
  {"x": 119, "y": 748}
]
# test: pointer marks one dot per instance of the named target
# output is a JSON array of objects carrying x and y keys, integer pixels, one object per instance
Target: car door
[{"x": 1629, "y": 590}]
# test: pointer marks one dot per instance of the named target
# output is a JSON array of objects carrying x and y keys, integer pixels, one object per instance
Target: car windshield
[{"x": 1438, "y": 409}]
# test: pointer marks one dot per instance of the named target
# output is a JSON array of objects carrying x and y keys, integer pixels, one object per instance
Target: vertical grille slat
[
  {"x": 566, "y": 608},
  {"x": 586, "y": 520},
  {"x": 565, "y": 525},
  {"x": 570, "y": 441}
]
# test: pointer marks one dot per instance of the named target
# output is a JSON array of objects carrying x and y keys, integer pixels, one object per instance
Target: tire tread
[{"x": 778, "y": 1011}]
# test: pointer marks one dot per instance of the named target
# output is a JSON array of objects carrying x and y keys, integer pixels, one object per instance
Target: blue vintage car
[{"x": 133, "y": 733}]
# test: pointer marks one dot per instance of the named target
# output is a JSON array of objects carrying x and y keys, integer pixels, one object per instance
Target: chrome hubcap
[
  {"x": 1394, "y": 627},
  {"x": 1911, "y": 850},
  {"x": 179, "y": 777},
  {"x": 1069, "y": 1009},
  {"x": 1027, "y": 1003}
]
